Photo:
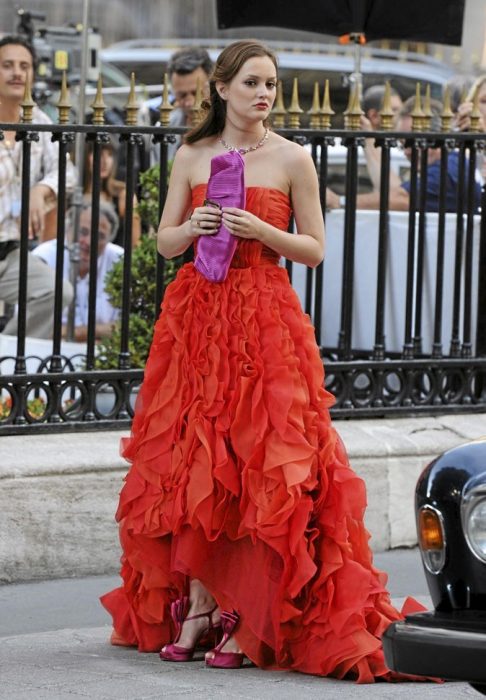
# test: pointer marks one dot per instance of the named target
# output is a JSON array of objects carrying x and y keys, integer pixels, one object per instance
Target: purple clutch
[{"x": 226, "y": 188}]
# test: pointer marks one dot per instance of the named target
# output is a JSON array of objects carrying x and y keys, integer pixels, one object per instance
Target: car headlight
[
  {"x": 431, "y": 537},
  {"x": 473, "y": 516}
]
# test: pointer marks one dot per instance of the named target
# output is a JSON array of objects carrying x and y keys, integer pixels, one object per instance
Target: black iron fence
[{"x": 399, "y": 304}]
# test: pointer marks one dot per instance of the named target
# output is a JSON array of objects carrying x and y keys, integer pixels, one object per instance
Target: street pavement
[{"x": 53, "y": 646}]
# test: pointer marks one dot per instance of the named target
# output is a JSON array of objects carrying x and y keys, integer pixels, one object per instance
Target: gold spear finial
[
  {"x": 196, "y": 110},
  {"x": 315, "y": 111},
  {"x": 279, "y": 112},
  {"x": 64, "y": 105},
  {"x": 476, "y": 112},
  {"x": 427, "y": 109},
  {"x": 447, "y": 114},
  {"x": 403, "y": 50},
  {"x": 352, "y": 115},
  {"x": 348, "y": 107},
  {"x": 165, "y": 106},
  {"x": 326, "y": 111},
  {"x": 131, "y": 107},
  {"x": 417, "y": 113},
  {"x": 27, "y": 103},
  {"x": 456, "y": 57},
  {"x": 294, "y": 110},
  {"x": 98, "y": 106},
  {"x": 387, "y": 115},
  {"x": 439, "y": 53}
]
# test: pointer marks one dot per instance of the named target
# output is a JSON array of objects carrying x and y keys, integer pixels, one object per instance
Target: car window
[{"x": 113, "y": 76}]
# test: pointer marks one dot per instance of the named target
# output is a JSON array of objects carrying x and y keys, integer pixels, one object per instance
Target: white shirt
[
  {"x": 177, "y": 118},
  {"x": 43, "y": 170},
  {"x": 105, "y": 312}
]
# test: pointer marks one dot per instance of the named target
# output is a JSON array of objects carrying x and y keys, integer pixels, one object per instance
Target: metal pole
[
  {"x": 84, "y": 62},
  {"x": 79, "y": 157},
  {"x": 356, "y": 77}
]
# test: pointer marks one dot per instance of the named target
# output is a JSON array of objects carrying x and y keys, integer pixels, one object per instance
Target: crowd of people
[
  {"x": 462, "y": 90},
  {"x": 187, "y": 68}
]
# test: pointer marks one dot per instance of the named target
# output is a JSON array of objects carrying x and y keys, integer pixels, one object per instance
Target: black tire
[{"x": 480, "y": 687}]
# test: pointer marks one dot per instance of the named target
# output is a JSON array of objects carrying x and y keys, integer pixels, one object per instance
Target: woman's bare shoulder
[
  {"x": 194, "y": 153},
  {"x": 292, "y": 159},
  {"x": 289, "y": 150},
  {"x": 184, "y": 153}
]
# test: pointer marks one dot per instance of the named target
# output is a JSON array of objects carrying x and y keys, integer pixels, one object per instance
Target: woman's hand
[
  {"x": 242, "y": 224},
  {"x": 463, "y": 117},
  {"x": 205, "y": 221},
  {"x": 332, "y": 199},
  {"x": 37, "y": 212}
]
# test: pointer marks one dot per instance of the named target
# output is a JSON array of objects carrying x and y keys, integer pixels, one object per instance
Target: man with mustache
[{"x": 17, "y": 61}]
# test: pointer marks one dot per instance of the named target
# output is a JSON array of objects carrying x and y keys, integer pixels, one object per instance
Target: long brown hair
[
  {"x": 478, "y": 83},
  {"x": 110, "y": 186},
  {"x": 228, "y": 64}
]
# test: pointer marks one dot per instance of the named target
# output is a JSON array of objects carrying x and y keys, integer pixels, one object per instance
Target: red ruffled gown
[{"x": 239, "y": 479}]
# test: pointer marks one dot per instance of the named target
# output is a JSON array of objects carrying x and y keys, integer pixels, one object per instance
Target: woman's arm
[
  {"x": 178, "y": 227},
  {"x": 136, "y": 226},
  {"x": 174, "y": 233},
  {"x": 308, "y": 246}
]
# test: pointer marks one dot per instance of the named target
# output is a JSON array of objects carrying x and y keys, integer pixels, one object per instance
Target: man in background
[
  {"x": 108, "y": 254},
  {"x": 186, "y": 67},
  {"x": 17, "y": 61},
  {"x": 371, "y": 121},
  {"x": 399, "y": 198}
]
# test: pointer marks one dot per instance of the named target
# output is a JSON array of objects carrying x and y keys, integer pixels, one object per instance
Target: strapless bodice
[{"x": 270, "y": 205}]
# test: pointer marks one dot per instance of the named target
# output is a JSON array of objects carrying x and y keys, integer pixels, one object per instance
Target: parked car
[
  {"x": 449, "y": 642},
  {"x": 148, "y": 58},
  {"x": 116, "y": 88},
  {"x": 337, "y": 158},
  {"x": 309, "y": 62}
]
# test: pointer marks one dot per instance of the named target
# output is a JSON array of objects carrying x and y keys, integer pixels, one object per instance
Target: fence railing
[{"x": 399, "y": 304}]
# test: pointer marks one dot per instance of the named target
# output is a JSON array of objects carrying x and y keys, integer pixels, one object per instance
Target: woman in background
[{"x": 112, "y": 190}]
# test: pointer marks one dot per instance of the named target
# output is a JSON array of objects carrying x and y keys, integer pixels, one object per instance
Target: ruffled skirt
[{"x": 238, "y": 479}]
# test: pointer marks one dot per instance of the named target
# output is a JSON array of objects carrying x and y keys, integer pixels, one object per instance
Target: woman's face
[
  {"x": 106, "y": 163},
  {"x": 251, "y": 93},
  {"x": 104, "y": 232},
  {"x": 482, "y": 99}
]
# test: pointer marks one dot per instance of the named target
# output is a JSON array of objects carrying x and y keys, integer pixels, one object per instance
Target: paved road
[
  {"x": 73, "y": 603},
  {"x": 54, "y": 647}
]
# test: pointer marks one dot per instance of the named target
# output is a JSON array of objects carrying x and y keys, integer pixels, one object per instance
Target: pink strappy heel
[
  {"x": 178, "y": 610},
  {"x": 226, "y": 659}
]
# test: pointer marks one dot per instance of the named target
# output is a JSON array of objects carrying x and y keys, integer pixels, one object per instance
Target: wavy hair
[
  {"x": 18, "y": 40},
  {"x": 478, "y": 83},
  {"x": 228, "y": 64}
]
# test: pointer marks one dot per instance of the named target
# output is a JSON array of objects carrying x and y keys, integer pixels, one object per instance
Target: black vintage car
[{"x": 450, "y": 642}]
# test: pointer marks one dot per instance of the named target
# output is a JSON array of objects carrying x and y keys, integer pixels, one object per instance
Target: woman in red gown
[{"x": 240, "y": 511}]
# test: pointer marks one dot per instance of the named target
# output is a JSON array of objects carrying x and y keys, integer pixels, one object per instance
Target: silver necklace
[{"x": 248, "y": 148}]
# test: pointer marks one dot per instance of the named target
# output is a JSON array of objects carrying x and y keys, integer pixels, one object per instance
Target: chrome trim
[
  {"x": 469, "y": 501},
  {"x": 424, "y": 631},
  {"x": 444, "y": 548}
]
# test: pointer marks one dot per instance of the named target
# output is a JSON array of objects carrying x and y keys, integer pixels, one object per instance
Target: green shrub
[{"x": 143, "y": 283}]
